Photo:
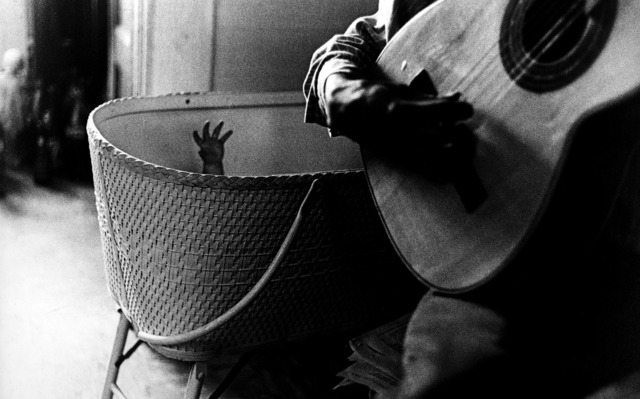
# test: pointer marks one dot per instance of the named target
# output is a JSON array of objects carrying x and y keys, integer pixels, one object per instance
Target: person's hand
[
  {"x": 359, "y": 108},
  {"x": 421, "y": 129},
  {"x": 212, "y": 147}
]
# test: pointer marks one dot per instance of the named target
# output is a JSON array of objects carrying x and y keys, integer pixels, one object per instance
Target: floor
[
  {"x": 57, "y": 322},
  {"x": 55, "y": 319}
]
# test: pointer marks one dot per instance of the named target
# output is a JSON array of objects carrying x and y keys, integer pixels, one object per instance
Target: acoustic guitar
[{"x": 535, "y": 71}]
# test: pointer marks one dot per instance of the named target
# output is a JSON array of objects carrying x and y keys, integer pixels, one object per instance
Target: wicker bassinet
[{"x": 182, "y": 248}]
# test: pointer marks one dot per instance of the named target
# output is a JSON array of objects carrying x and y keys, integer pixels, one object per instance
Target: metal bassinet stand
[{"x": 288, "y": 246}]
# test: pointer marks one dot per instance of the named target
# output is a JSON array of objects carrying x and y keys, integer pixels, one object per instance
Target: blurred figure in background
[
  {"x": 14, "y": 107},
  {"x": 75, "y": 161}
]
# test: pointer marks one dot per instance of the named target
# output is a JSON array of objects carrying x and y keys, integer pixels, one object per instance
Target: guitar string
[
  {"x": 534, "y": 58},
  {"x": 531, "y": 59},
  {"x": 490, "y": 52},
  {"x": 481, "y": 65},
  {"x": 528, "y": 61}
]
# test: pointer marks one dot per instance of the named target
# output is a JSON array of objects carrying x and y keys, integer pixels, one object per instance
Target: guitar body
[{"x": 527, "y": 113}]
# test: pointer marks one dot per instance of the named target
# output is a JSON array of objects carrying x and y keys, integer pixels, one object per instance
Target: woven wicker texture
[{"x": 182, "y": 248}]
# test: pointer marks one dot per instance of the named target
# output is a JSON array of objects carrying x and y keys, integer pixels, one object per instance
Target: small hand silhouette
[{"x": 212, "y": 147}]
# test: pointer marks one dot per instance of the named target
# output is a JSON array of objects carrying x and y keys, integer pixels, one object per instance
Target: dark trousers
[{"x": 527, "y": 335}]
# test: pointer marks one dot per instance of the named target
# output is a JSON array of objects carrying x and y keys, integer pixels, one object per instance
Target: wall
[
  {"x": 125, "y": 55},
  {"x": 163, "y": 46},
  {"x": 180, "y": 46},
  {"x": 266, "y": 45}
]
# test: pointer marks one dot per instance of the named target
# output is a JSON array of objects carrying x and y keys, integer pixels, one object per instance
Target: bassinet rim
[{"x": 183, "y": 177}]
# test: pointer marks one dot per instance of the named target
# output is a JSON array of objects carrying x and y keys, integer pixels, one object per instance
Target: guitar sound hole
[
  {"x": 547, "y": 44},
  {"x": 552, "y": 29}
]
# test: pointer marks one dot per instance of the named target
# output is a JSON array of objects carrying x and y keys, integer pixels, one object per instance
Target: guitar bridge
[
  {"x": 469, "y": 187},
  {"x": 423, "y": 83}
]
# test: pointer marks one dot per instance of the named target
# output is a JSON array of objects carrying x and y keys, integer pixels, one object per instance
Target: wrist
[
  {"x": 337, "y": 83},
  {"x": 213, "y": 168},
  {"x": 351, "y": 106},
  {"x": 341, "y": 93}
]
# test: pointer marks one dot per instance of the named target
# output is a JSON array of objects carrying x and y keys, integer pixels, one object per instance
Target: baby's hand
[{"x": 212, "y": 148}]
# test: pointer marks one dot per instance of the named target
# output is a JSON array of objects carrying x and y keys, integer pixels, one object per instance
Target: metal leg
[
  {"x": 116, "y": 353},
  {"x": 196, "y": 380}
]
